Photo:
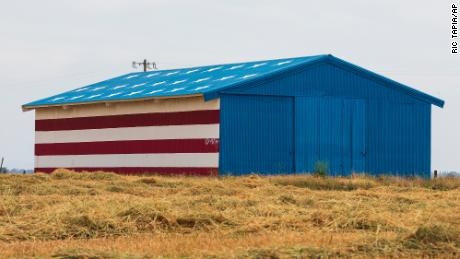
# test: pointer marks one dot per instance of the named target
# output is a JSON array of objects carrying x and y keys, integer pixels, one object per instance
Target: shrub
[{"x": 321, "y": 168}]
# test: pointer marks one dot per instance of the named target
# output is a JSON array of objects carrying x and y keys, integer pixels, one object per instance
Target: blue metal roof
[
  {"x": 175, "y": 82},
  {"x": 204, "y": 80}
]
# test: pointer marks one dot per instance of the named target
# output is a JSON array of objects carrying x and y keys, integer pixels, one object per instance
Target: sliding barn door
[
  {"x": 359, "y": 136},
  {"x": 354, "y": 136},
  {"x": 330, "y": 131}
]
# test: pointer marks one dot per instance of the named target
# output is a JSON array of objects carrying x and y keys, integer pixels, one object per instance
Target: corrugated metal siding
[
  {"x": 397, "y": 126},
  {"x": 166, "y": 137},
  {"x": 331, "y": 130},
  {"x": 399, "y": 138},
  {"x": 330, "y": 134},
  {"x": 257, "y": 135},
  {"x": 325, "y": 80},
  {"x": 307, "y": 133},
  {"x": 358, "y": 135}
]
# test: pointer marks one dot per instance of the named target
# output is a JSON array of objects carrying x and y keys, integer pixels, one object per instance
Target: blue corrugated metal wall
[
  {"x": 393, "y": 128},
  {"x": 259, "y": 135},
  {"x": 307, "y": 134},
  {"x": 323, "y": 132}
]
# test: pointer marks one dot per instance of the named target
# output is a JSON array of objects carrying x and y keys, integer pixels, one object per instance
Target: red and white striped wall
[{"x": 165, "y": 136}]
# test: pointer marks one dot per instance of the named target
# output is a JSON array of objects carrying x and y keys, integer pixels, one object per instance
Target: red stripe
[
  {"x": 129, "y": 120},
  {"x": 199, "y": 171},
  {"x": 129, "y": 147}
]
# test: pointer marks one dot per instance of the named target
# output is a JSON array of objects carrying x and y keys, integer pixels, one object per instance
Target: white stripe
[
  {"x": 147, "y": 106},
  {"x": 129, "y": 133},
  {"x": 129, "y": 160}
]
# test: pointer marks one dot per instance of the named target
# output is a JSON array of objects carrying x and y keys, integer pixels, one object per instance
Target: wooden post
[
  {"x": 435, "y": 174},
  {"x": 1, "y": 165},
  {"x": 146, "y": 65}
]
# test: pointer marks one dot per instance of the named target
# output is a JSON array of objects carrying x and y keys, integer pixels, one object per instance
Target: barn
[{"x": 269, "y": 117}]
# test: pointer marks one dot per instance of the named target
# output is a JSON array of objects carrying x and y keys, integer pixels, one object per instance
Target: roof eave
[
  {"x": 26, "y": 108},
  {"x": 409, "y": 90}
]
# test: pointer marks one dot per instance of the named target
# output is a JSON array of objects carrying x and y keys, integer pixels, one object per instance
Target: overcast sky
[{"x": 47, "y": 47}]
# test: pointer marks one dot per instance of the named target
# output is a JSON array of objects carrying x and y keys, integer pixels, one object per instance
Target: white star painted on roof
[
  {"x": 77, "y": 97},
  {"x": 225, "y": 78},
  {"x": 98, "y": 88},
  {"x": 135, "y": 92},
  {"x": 178, "y": 82},
  {"x": 202, "y": 87},
  {"x": 114, "y": 94},
  {"x": 152, "y": 75},
  {"x": 177, "y": 89},
  {"x": 57, "y": 98},
  {"x": 248, "y": 76},
  {"x": 192, "y": 71},
  {"x": 202, "y": 79},
  {"x": 258, "y": 65},
  {"x": 159, "y": 83},
  {"x": 172, "y": 73},
  {"x": 235, "y": 67},
  {"x": 93, "y": 96},
  {"x": 119, "y": 86},
  {"x": 131, "y": 76},
  {"x": 212, "y": 69},
  {"x": 283, "y": 62},
  {"x": 137, "y": 85},
  {"x": 81, "y": 89},
  {"x": 155, "y": 91}
]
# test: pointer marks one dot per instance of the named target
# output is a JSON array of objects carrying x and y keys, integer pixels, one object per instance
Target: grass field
[{"x": 70, "y": 215}]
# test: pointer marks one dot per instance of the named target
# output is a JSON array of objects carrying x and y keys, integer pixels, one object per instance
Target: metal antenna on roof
[{"x": 147, "y": 65}]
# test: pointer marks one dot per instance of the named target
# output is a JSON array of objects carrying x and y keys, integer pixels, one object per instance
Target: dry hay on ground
[{"x": 102, "y": 215}]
